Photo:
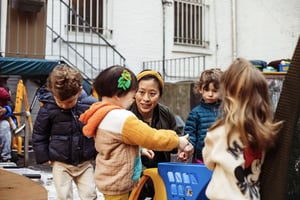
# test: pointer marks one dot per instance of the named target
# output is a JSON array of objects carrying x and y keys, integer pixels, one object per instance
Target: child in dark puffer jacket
[{"x": 57, "y": 134}]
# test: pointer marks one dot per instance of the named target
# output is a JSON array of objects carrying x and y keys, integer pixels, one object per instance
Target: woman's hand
[
  {"x": 147, "y": 152},
  {"x": 185, "y": 149}
]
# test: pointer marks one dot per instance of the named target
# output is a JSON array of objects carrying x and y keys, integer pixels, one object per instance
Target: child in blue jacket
[{"x": 205, "y": 113}]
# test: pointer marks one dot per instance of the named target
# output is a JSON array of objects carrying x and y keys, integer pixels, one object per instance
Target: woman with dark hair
[
  {"x": 119, "y": 134},
  {"x": 148, "y": 109}
]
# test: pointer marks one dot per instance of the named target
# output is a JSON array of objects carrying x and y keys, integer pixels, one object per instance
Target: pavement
[
  {"x": 42, "y": 173},
  {"x": 46, "y": 177}
]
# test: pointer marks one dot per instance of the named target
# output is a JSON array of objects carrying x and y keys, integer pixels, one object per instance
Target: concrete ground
[{"x": 46, "y": 178}]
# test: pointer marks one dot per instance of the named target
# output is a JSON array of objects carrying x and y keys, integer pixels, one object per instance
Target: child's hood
[
  {"x": 94, "y": 115},
  {"x": 45, "y": 96}
]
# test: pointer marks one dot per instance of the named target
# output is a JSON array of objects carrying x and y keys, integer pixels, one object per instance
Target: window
[
  {"x": 190, "y": 23},
  {"x": 86, "y": 15}
]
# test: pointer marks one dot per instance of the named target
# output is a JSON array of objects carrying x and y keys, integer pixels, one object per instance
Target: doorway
[{"x": 26, "y": 29}]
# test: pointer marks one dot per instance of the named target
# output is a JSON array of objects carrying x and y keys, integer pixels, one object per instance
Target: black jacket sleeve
[{"x": 41, "y": 136}]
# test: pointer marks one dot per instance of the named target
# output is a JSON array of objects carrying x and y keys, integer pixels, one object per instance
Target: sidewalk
[{"x": 46, "y": 179}]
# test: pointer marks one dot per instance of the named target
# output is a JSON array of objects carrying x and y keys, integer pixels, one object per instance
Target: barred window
[
  {"x": 190, "y": 22},
  {"x": 86, "y": 14}
]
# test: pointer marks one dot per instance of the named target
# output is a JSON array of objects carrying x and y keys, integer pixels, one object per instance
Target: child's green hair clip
[{"x": 125, "y": 80}]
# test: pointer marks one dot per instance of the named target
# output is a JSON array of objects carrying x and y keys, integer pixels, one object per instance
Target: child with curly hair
[
  {"x": 57, "y": 134},
  {"x": 206, "y": 112}
]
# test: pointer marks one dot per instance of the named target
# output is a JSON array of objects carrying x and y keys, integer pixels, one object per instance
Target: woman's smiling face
[{"x": 147, "y": 96}]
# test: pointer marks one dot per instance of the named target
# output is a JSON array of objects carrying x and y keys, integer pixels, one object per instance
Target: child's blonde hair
[
  {"x": 64, "y": 82},
  {"x": 246, "y": 106}
]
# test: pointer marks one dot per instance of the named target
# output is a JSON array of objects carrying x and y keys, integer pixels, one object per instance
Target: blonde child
[
  {"x": 118, "y": 134},
  {"x": 236, "y": 143}
]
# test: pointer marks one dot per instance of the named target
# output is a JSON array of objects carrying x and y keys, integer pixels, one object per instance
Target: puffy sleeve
[
  {"x": 9, "y": 111},
  {"x": 41, "y": 136},
  {"x": 191, "y": 126},
  {"x": 207, "y": 151},
  {"x": 136, "y": 132}
]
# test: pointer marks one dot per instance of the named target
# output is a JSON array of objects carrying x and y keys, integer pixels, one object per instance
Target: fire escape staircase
[
  {"x": 62, "y": 35},
  {"x": 83, "y": 47}
]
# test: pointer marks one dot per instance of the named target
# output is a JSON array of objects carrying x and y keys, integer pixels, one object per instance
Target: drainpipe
[
  {"x": 3, "y": 13},
  {"x": 165, "y": 3},
  {"x": 164, "y": 40},
  {"x": 234, "y": 29}
]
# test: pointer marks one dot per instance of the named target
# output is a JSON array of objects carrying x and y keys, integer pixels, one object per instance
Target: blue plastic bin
[
  {"x": 184, "y": 180},
  {"x": 284, "y": 66}
]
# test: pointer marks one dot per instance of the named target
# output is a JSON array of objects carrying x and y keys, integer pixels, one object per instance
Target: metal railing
[
  {"x": 178, "y": 69},
  {"x": 88, "y": 50},
  {"x": 81, "y": 46}
]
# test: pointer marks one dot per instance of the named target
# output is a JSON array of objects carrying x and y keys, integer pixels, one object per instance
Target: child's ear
[{"x": 80, "y": 90}]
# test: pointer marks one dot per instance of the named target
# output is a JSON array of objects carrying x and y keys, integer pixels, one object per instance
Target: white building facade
[
  {"x": 257, "y": 29},
  {"x": 157, "y": 30}
]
